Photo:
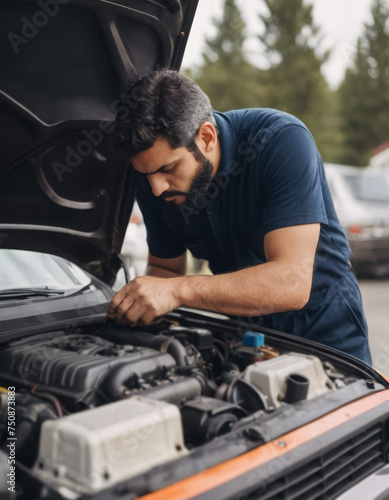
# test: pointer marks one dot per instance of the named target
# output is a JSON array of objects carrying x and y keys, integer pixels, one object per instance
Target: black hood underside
[{"x": 64, "y": 66}]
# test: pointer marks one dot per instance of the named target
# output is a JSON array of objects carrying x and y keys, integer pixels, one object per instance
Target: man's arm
[
  {"x": 283, "y": 283},
  {"x": 166, "y": 268}
]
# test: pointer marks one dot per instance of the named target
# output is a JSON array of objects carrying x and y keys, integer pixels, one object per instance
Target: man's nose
[{"x": 158, "y": 184}]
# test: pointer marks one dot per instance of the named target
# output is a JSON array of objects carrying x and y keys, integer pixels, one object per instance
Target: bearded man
[{"x": 245, "y": 190}]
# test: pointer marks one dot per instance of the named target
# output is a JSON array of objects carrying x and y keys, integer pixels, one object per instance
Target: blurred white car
[
  {"x": 361, "y": 198},
  {"x": 134, "y": 250}
]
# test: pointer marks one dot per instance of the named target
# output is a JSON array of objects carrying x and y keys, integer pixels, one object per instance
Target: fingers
[
  {"x": 141, "y": 300},
  {"x": 133, "y": 313},
  {"x": 116, "y": 301},
  {"x": 147, "y": 318},
  {"x": 126, "y": 310}
]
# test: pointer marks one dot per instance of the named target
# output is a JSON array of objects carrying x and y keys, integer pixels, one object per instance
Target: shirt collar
[{"x": 228, "y": 142}]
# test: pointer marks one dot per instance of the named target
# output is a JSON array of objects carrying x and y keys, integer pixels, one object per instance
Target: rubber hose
[{"x": 145, "y": 339}]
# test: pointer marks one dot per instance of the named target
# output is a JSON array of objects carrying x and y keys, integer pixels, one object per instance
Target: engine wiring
[{"x": 49, "y": 397}]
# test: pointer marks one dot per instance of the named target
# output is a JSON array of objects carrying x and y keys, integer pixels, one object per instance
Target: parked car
[
  {"x": 361, "y": 198},
  {"x": 196, "y": 405},
  {"x": 134, "y": 250}
]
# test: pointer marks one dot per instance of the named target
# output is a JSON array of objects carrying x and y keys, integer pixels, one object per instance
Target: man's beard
[{"x": 196, "y": 196}]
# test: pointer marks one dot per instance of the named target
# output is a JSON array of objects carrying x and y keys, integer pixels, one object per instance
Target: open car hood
[{"x": 64, "y": 65}]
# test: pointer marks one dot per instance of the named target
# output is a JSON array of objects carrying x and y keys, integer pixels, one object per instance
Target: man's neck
[{"x": 216, "y": 157}]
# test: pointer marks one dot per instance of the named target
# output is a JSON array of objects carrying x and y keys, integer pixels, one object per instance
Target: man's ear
[{"x": 206, "y": 137}]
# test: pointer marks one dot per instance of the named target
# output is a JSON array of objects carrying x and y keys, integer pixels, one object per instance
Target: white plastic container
[
  {"x": 92, "y": 450},
  {"x": 270, "y": 376}
]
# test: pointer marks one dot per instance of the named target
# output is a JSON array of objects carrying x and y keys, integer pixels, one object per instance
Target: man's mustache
[{"x": 169, "y": 194}]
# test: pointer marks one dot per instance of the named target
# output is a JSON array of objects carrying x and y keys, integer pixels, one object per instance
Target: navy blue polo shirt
[{"x": 270, "y": 176}]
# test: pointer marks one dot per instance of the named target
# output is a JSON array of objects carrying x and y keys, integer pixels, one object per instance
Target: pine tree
[
  {"x": 226, "y": 46},
  {"x": 226, "y": 76},
  {"x": 298, "y": 87},
  {"x": 364, "y": 93}
]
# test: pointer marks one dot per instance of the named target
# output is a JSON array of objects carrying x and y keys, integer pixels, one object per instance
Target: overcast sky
[{"x": 341, "y": 22}]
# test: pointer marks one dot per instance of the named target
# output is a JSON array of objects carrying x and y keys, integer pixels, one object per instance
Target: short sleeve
[
  {"x": 291, "y": 180},
  {"x": 161, "y": 239}
]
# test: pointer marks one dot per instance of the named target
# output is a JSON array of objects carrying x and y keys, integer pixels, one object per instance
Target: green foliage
[
  {"x": 364, "y": 93},
  {"x": 229, "y": 80},
  {"x": 226, "y": 46},
  {"x": 346, "y": 124},
  {"x": 291, "y": 40},
  {"x": 289, "y": 32}
]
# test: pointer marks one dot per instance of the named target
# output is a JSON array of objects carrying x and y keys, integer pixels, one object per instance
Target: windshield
[
  {"x": 25, "y": 269},
  {"x": 372, "y": 187}
]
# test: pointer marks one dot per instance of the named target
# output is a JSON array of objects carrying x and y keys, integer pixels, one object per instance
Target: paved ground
[{"x": 375, "y": 294}]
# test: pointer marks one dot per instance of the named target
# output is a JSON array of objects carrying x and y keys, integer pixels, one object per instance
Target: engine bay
[{"x": 98, "y": 406}]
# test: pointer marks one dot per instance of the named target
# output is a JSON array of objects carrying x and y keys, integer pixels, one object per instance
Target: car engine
[{"x": 96, "y": 408}]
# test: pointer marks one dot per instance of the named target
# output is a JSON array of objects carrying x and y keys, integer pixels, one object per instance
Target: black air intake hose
[
  {"x": 175, "y": 392},
  {"x": 125, "y": 376},
  {"x": 144, "y": 339},
  {"x": 173, "y": 347}
]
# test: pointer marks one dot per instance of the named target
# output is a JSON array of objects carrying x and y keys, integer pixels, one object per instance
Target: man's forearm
[
  {"x": 166, "y": 268},
  {"x": 265, "y": 289},
  {"x": 281, "y": 284},
  {"x": 160, "y": 272}
]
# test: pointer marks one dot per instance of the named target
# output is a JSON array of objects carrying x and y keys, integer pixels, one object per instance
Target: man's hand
[
  {"x": 143, "y": 299},
  {"x": 283, "y": 283}
]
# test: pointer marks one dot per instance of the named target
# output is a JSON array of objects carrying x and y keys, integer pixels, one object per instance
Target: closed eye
[{"x": 165, "y": 170}]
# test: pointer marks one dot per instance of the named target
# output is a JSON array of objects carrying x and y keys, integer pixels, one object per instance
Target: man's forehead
[{"x": 160, "y": 155}]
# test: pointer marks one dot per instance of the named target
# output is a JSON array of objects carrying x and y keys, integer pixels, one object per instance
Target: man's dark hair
[{"x": 162, "y": 103}]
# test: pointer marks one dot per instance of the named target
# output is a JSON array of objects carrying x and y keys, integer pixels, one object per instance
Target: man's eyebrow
[{"x": 156, "y": 171}]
